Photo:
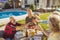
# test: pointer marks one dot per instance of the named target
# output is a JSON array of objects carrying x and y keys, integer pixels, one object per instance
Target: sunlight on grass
[
  {"x": 44, "y": 26},
  {"x": 21, "y": 21},
  {"x": 44, "y": 16}
]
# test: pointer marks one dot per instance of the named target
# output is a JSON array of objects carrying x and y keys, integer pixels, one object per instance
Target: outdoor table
[{"x": 36, "y": 37}]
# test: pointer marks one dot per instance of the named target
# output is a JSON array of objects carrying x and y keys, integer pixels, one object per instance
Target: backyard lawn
[{"x": 44, "y": 17}]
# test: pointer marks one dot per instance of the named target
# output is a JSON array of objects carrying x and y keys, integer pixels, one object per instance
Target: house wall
[
  {"x": 23, "y": 3},
  {"x": 51, "y": 3},
  {"x": 30, "y": 1},
  {"x": 2, "y": 5},
  {"x": 42, "y": 3},
  {"x": 57, "y": 2}
]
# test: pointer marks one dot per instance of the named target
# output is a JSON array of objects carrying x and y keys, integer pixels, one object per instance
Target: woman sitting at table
[
  {"x": 30, "y": 17},
  {"x": 54, "y": 25},
  {"x": 32, "y": 20}
]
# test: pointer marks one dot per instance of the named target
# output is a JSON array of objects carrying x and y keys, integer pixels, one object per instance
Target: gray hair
[{"x": 54, "y": 22}]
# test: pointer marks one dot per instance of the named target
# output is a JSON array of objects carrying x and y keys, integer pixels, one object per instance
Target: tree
[{"x": 32, "y": 7}]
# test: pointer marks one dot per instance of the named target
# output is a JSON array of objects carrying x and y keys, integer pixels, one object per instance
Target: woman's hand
[{"x": 25, "y": 25}]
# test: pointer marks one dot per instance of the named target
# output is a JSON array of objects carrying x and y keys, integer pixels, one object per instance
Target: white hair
[{"x": 54, "y": 21}]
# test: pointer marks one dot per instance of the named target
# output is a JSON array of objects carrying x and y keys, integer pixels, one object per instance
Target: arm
[
  {"x": 37, "y": 17},
  {"x": 44, "y": 31},
  {"x": 26, "y": 21},
  {"x": 21, "y": 25},
  {"x": 18, "y": 24},
  {"x": 26, "y": 25}
]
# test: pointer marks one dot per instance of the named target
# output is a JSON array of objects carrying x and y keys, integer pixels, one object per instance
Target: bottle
[{"x": 26, "y": 33}]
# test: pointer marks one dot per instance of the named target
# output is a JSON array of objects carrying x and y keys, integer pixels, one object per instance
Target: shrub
[{"x": 32, "y": 7}]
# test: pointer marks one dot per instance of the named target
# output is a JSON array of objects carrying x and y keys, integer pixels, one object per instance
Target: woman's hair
[
  {"x": 12, "y": 18},
  {"x": 29, "y": 10},
  {"x": 54, "y": 22}
]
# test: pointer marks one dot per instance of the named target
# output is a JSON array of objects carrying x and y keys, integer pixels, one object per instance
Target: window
[
  {"x": 37, "y": 1},
  {"x": 48, "y": 3},
  {"x": 25, "y": 1},
  {"x": 53, "y": 2}
]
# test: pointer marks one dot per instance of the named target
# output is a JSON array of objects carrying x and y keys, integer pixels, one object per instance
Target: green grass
[
  {"x": 1, "y": 25},
  {"x": 44, "y": 26},
  {"x": 21, "y": 21},
  {"x": 44, "y": 16}
]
